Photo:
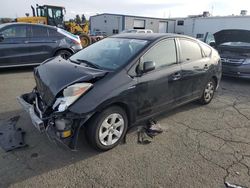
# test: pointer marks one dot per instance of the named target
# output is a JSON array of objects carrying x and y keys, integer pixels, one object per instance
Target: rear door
[
  {"x": 157, "y": 89},
  {"x": 194, "y": 69},
  {"x": 41, "y": 45},
  {"x": 14, "y": 49}
]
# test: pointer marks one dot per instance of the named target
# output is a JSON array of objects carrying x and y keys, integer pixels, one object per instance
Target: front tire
[
  {"x": 106, "y": 129},
  {"x": 208, "y": 92}
]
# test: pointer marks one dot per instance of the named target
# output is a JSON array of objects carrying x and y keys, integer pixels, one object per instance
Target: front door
[
  {"x": 14, "y": 48},
  {"x": 157, "y": 89}
]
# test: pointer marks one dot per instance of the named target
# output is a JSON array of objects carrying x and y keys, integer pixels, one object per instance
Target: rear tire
[
  {"x": 85, "y": 40},
  {"x": 208, "y": 92},
  {"x": 106, "y": 129},
  {"x": 65, "y": 54}
]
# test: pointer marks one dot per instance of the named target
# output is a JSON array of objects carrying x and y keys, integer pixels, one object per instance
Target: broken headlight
[
  {"x": 70, "y": 95},
  {"x": 246, "y": 62}
]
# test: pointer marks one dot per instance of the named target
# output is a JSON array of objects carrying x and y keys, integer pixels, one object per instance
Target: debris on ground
[
  {"x": 11, "y": 137},
  {"x": 146, "y": 133}
]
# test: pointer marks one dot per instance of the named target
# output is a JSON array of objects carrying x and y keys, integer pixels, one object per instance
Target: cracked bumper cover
[
  {"x": 29, "y": 108},
  {"x": 47, "y": 124}
]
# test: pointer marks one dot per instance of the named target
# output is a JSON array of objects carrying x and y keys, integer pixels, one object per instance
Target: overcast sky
[{"x": 151, "y": 8}]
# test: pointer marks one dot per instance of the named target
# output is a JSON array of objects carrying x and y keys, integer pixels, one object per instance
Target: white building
[
  {"x": 115, "y": 23},
  {"x": 198, "y": 27}
]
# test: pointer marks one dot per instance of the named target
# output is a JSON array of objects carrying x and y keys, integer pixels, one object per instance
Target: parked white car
[{"x": 137, "y": 31}]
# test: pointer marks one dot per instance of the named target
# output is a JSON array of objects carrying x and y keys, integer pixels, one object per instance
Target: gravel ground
[{"x": 201, "y": 146}]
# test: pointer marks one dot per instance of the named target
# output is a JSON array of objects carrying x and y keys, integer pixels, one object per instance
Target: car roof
[
  {"x": 150, "y": 36},
  {"x": 24, "y": 23}
]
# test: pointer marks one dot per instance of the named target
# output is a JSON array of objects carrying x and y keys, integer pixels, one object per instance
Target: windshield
[{"x": 110, "y": 53}]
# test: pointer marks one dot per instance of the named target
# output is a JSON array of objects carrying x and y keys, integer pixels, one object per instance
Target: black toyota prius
[{"x": 119, "y": 82}]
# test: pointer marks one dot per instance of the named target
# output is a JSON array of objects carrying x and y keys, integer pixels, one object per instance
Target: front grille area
[{"x": 232, "y": 61}]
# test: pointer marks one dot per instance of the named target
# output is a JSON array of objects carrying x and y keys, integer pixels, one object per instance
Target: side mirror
[
  {"x": 148, "y": 66},
  {"x": 1, "y": 37},
  {"x": 212, "y": 44}
]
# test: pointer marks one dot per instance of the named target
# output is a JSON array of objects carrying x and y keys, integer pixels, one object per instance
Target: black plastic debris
[
  {"x": 11, "y": 137},
  {"x": 145, "y": 134}
]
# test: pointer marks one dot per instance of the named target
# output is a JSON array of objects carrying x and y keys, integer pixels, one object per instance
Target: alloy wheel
[
  {"x": 209, "y": 92},
  {"x": 111, "y": 129}
]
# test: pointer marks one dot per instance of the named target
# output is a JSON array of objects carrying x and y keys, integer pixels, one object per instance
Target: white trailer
[{"x": 198, "y": 27}]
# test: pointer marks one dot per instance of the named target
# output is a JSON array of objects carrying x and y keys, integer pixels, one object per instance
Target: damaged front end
[
  {"x": 62, "y": 126},
  {"x": 59, "y": 85}
]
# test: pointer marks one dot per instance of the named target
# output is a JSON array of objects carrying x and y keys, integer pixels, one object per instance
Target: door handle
[
  {"x": 206, "y": 66},
  {"x": 176, "y": 76}
]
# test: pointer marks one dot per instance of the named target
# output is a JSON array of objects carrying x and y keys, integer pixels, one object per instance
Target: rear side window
[
  {"x": 17, "y": 31},
  {"x": 38, "y": 31},
  {"x": 190, "y": 51},
  {"x": 206, "y": 49},
  {"x": 54, "y": 33},
  {"x": 163, "y": 54}
]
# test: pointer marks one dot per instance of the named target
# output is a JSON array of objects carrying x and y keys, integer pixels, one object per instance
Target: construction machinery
[{"x": 54, "y": 15}]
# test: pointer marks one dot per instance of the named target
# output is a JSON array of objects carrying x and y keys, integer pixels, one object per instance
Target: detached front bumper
[
  {"x": 29, "y": 108},
  {"x": 63, "y": 127}
]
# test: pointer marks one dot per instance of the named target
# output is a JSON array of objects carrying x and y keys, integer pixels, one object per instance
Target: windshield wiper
[
  {"x": 88, "y": 63},
  {"x": 75, "y": 61}
]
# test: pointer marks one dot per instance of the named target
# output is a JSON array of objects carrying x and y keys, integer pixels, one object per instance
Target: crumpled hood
[
  {"x": 232, "y": 35},
  {"x": 56, "y": 74}
]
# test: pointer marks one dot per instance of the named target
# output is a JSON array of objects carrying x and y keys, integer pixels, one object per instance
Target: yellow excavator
[{"x": 54, "y": 15}]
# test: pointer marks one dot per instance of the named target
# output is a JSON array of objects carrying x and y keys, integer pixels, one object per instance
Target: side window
[
  {"x": 54, "y": 33},
  {"x": 115, "y": 31},
  {"x": 38, "y": 31},
  {"x": 58, "y": 13},
  {"x": 18, "y": 31},
  {"x": 206, "y": 49},
  {"x": 50, "y": 13},
  {"x": 163, "y": 54},
  {"x": 180, "y": 22},
  {"x": 209, "y": 38},
  {"x": 190, "y": 51}
]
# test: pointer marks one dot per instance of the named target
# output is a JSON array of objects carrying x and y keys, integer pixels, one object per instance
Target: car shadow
[{"x": 12, "y": 70}]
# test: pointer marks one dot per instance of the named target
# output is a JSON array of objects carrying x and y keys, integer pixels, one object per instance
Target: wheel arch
[
  {"x": 215, "y": 79},
  {"x": 60, "y": 49},
  {"x": 122, "y": 105}
]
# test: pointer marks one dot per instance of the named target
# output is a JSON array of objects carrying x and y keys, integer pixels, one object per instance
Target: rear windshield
[{"x": 110, "y": 53}]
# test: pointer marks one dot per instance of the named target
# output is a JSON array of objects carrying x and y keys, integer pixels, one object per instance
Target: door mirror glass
[
  {"x": 148, "y": 66},
  {"x": 1, "y": 37}
]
